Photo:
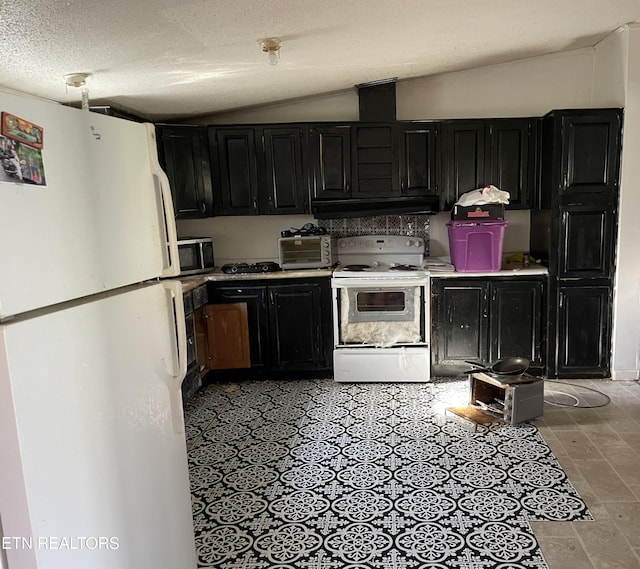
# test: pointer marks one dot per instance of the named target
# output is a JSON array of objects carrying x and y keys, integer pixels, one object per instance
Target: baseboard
[{"x": 624, "y": 375}]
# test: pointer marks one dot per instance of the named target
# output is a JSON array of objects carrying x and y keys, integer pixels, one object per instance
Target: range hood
[{"x": 338, "y": 209}]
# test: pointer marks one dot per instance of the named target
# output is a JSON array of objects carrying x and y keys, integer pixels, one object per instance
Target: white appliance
[
  {"x": 92, "y": 352},
  {"x": 381, "y": 310}
]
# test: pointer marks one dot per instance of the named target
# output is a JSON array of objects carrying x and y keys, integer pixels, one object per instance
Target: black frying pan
[{"x": 504, "y": 366}]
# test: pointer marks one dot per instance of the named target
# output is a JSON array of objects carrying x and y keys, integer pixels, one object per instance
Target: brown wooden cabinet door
[{"x": 228, "y": 335}]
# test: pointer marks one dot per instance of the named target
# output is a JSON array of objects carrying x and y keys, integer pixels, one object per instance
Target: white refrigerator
[{"x": 93, "y": 466}]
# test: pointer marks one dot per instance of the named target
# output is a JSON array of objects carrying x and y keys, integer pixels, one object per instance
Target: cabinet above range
[{"x": 340, "y": 169}]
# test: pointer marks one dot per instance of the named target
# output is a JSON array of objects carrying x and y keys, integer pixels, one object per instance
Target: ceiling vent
[{"x": 377, "y": 100}]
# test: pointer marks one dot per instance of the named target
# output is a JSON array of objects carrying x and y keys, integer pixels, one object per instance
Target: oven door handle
[{"x": 355, "y": 282}]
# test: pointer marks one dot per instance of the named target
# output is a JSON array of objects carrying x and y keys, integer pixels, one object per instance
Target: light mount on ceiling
[
  {"x": 271, "y": 46},
  {"x": 79, "y": 80}
]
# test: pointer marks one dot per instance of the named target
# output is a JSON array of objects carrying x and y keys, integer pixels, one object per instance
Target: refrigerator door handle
[
  {"x": 180, "y": 367},
  {"x": 171, "y": 261}
]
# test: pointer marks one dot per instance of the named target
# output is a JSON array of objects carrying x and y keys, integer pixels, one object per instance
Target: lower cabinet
[
  {"x": 290, "y": 326},
  {"x": 194, "y": 302},
  {"x": 481, "y": 320},
  {"x": 583, "y": 331}
]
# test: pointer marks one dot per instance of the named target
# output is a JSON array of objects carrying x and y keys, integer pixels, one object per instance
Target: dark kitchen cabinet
[
  {"x": 501, "y": 152},
  {"x": 330, "y": 157},
  {"x": 462, "y": 159},
  {"x": 512, "y": 158},
  {"x": 590, "y": 149},
  {"x": 583, "y": 330},
  {"x": 418, "y": 157},
  {"x": 194, "y": 302},
  {"x": 481, "y": 320},
  {"x": 260, "y": 170},
  {"x": 375, "y": 164},
  {"x": 237, "y": 167},
  {"x": 183, "y": 152},
  {"x": 285, "y": 186},
  {"x": 290, "y": 325},
  {"x": 296, "y": 321},
  {"x": 586, "y": 232},
  {"x": 573, "y": 231}
]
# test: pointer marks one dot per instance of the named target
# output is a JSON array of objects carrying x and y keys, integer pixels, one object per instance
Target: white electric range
[{"x": 381, "y": 310}]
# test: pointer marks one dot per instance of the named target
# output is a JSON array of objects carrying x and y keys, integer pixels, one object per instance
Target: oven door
[{"x": 381, "y": 312}]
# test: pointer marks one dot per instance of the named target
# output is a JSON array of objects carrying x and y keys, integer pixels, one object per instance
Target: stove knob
[
  {"x": 343, "y": 244},
  {"x": 419, "y": 243},
  {"x": 352, "y": 243},
  {"x": 408, "y": 242}
]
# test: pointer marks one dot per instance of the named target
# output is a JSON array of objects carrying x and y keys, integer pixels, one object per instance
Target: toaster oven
[{"x": 306, "y": 252}]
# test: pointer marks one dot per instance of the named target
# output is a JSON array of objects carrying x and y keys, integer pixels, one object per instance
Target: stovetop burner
[
  {"x": 356, "y": 268},
  {"x": 404, "y": 268}
]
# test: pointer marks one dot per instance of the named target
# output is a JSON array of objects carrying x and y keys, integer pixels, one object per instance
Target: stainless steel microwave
[
  {"x": 196, "y": 255},
  {"x": 306, "y": 252}
]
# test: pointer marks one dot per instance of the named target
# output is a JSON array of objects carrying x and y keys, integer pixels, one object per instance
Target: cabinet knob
[{"x": 203, "y": 207}]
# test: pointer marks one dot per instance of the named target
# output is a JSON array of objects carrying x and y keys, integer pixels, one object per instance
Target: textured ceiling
[{"x": 164, "y": 59}]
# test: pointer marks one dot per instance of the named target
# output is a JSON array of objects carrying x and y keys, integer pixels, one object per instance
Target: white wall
[
  {"x": 243, "y": 239},
  {"x": 626, "y": 330},
  {"x": 530, "y": 87}
]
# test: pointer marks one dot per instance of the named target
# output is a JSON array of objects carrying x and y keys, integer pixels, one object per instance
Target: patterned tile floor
[{"x": 322, "y": 475}]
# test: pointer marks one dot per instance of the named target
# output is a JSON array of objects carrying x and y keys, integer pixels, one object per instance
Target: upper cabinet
[
  {"x": 418, "y": 157},
  {"x": 330, "y": 157},
  {"x": 260, "y": 170},
  {"x": 462, "y": 159},
  {"x": 590, "y": 152},
  {"x": 580, "y": 156},
  {"x": 501, "y": 152},
  {"x": 375, "y": 164},
  {"x": 237, "y": 169},
  {"x": 183, "y": 152}
]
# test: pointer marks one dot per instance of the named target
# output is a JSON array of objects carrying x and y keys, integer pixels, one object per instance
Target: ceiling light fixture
[
  {"x": 79, "y": 80},
  {"x": 76, "y": 79},
  {"x": 271, "y": 46}
]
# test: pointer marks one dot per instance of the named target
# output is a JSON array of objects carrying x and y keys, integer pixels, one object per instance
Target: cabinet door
[
  {"x": 375, "y": 167},
  {"x": 418, "y": 160},
  {"x": 237, "y": 166},
  {"x": 462, "y": 325},
  {"x": 590, "y": 152},
  {"x": 463, "y": 159},
  {"x": 255, "y": 297},
  {"x": 510, "y": 163},
  {"x": 296, "y": 326},
  {"x": 184, "y": 156},
  {"x": 583, "y": 333},
  {"x": 587, "y": 241},
  {"x": 331, "y": 161},
  {"x": 228, "y": 335},
  {"x": 516, "y": 320},
  {"x": 285, "y": 189}
]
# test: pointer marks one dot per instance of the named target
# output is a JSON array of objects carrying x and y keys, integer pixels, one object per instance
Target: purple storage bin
[{"x": 476, "y": 246}]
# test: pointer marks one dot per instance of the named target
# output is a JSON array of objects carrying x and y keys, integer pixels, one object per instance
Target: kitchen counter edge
[
  {"x": 508, "y": 270},
  {"x": 194, "y": 281}
]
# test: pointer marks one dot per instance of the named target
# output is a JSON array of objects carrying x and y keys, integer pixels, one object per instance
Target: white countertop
[
  {"x": 508, "y": 270},
  {"x": 190, "y": 282}
]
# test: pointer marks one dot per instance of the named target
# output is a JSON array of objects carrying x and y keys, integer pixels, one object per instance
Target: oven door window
[{"x": 381, "y": 305}]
